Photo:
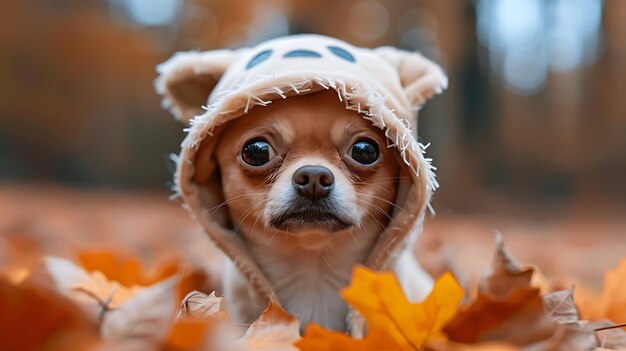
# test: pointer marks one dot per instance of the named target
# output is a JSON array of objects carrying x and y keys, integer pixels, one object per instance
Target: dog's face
[{"x": 305, "y": 165}]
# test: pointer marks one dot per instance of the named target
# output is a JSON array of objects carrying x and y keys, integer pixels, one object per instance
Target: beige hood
[{"x": 205, "y": 90}]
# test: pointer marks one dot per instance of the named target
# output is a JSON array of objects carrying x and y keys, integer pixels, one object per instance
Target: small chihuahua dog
[
  {"x": 301, "y": 162},
  {"x": 310, "y": 185}
]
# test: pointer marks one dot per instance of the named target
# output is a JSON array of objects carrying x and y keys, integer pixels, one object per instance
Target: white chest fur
[{"x": 308, "y": 280}]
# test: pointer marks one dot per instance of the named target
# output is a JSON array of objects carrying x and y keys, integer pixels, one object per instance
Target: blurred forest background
[{"x": 532, "y": 128}]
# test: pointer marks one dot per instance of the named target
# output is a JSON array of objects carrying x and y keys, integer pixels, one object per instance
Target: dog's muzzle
[
  {"x": 312, "y": 205},
  {"x": 311, "y": 215}
]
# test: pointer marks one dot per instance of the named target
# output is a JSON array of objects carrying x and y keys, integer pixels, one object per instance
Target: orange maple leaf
[
  {"x": 130, "y": 275},
  {"x": 124, "y": 268},
  {"x": 614, "y": 294},
  {"x": 611, "y": 304},
  {"x": 393, "y": 322},
  {"x": 188, "y": 335},
  {"x": 38, "y": 319}
]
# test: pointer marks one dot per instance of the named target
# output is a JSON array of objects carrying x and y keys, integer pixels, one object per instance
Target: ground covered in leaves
[{"x": 102, "y": 271}]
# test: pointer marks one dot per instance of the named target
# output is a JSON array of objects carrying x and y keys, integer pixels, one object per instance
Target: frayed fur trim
[{"x": 370, "y": 103}]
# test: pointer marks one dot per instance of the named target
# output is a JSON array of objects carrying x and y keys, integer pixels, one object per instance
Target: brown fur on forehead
[
  {"x": 317, "y": 124},
  {"x": 315, "y": 121}
]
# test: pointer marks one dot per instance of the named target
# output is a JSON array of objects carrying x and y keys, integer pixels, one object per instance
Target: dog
[
  {"x": 302, "y": 165},
  {"x": 310, "y": 186}
]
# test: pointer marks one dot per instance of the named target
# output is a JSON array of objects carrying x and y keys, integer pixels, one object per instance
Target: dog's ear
[
  {"x": 186, "y": 80},
  {"x": 420, "y": 77}
]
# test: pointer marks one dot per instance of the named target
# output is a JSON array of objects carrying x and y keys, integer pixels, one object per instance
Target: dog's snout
[{"x": 314, "y": 182}]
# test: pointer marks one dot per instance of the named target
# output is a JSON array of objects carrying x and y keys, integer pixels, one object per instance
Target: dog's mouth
[{"x": 311, "y": 216}]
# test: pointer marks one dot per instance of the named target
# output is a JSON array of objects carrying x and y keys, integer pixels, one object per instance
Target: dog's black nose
[{"x": 314, "y": 182}]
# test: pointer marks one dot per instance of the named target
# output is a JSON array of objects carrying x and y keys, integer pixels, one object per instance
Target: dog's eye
[
  {"x": 257, "y": 153},
  {"x": 364, "y": 152}
]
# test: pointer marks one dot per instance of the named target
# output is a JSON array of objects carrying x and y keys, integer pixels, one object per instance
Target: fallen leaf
[
  {"x": 35, "y": 319},
  {"x": 195, "y": 317},
  {"x": 540, "y": 281},
  {"x": 93, "y": 291},
  {"x": 614, "y": 293},
  {"x": 564, "y": 339},
  {"x": 508, "y": 309},
  {"x": 520, "y": 321},
  {"x": 611, "y": 304},
  {"x": 15, "y": 275},
  {"x": 188, "y": 335},
  {"x": 608, "y": 335},
  {"x": 125, "y": 269},
  {"x": 486, "y": 317},
  {"x": 560, "y": 306},
  {"x": 483, "y": 346},
  {"x": 589, "y": 304},
  {"x": 392, "y": 321},
  {"x": 145, "y": 318},
  {"x": 506, "y": 273},
  {"x": 274, "y": 330},
  {"x": 107, "y": 292},
  {"x": 197, "y": 305}
]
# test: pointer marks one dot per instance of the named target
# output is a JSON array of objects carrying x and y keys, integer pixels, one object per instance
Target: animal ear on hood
[
  {"x": 187, "y": 79},
  {"x": 420, "y": 77}
]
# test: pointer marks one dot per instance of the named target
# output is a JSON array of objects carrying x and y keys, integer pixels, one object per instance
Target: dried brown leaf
[
  {"x": 489, "y": 317},
  {"x": 607, "y": 337},
  {"x": 565, "y": 338},
  {"x": 508, "y": 309},
  {"x": 67, "y": 277},
  {"x": 560, "y": 306},
  {"x": 198, "y": 305},
  {"x": 506, "y": 273},
  {"x": 520, "y": 319},
  {"x": 91, "y": 290},
  {"x": 274, "y": 330},
  {"x": 143, "y": 320}
]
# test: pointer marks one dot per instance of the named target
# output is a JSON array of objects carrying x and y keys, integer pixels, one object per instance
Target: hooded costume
[{"x": 206, "y": 90}]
